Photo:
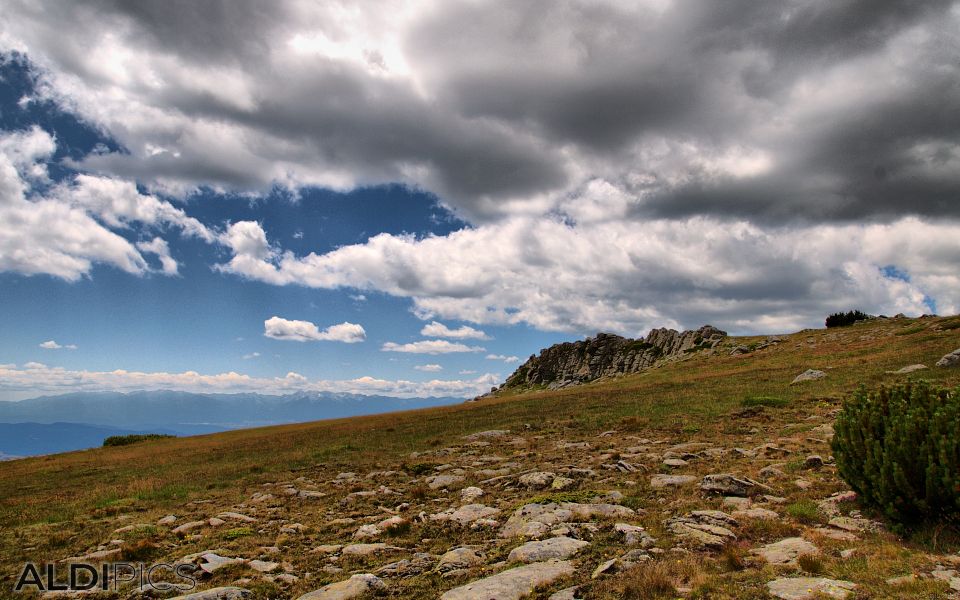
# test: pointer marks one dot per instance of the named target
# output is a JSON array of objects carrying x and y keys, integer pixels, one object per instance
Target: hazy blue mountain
[
  {"x": 27, "y": 439},
  {"x": 184, "y": 413}
]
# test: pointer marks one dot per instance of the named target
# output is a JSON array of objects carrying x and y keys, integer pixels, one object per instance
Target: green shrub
[
  {"x": 899, "y": 449},
  {"x": 126, "y": 440},
  {"x": 848, "y": 318}
]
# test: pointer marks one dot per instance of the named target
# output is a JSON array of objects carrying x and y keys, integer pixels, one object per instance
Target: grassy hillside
[{"x": 70, "y": 504}]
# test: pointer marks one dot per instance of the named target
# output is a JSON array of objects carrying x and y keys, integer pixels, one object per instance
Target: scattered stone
[
  {"x": 236, "y": 517},
  {"x": 368, "y": 549},
  {"x": 367, "y": 532},
  {"x": 293, "y": 528},
  {"x": 757, "y": 513},
  {"x": 814, "y": 461},
  {"x": 908, "y": 369},
  {"x": 559, "y": 547},
  {"x": 536, "y": 481},
  {"x": 217, "y": 593},
  {"x": 786, "y": 551},
  {"x": 186, "y": 527},
  {"x": 210, "y": 562},
  {"x": 902, "y": 580},
  {"x": 950, "y": 360},
  {"x": 562, "y": 483},
  {"x": 215, "y": 521},
  {"x": 675, "y": 462},
  {"x": 465, "y": 557},
  {"x": 327, "y": 549},
  {"x": 700, "y": 531},
  {"x": 836, "y": 534},
  {"x": 569, "y": 593},
  {"x": 948, "y": 575},
  {"x": 441, "y": 481},
  {"x": 481, "y": 435},
  {"x": 536, "y": 520},
  {"x": 167, "y": 520},
  {"x": 621, "y": 563},
  {"x": 469, "y": 494},
  {"x": 512, "y": 584},
  {"x": 355, "y": 587},
  {"x": 736, "y": 502},
  {"x": 634, "y": 535},
  {"x": 659, "y": 482},
  {"x": 730, "y": 485},
  {"x": 263, "y": 566},
  {"x": 808, "y": 375},
  {"x": 466, "y": 515},
  {"x": 420, "y": 562},
  {"x": 825, "y": 430},
  {"x": 806, "y": 588}
]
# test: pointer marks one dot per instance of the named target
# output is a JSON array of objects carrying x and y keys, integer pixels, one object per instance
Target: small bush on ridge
[
  {"x": 126, "y": 440},
  {"x": 899, "y": 449},
  {"x": 848, "y": 318}
]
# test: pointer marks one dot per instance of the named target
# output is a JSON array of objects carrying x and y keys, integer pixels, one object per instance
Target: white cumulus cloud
[
  {"x": 430, "y": 368},
  {"x": 430, "y": 347},
  {"x": 53, "y": 345},
  {"x": 503, "y": 357},
  {"x": 439, "y": 330},
  {"x": 305, "y": 331}
]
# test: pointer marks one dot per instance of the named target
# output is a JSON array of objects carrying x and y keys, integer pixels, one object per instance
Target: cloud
[
  {"x": 795, "y": 111},
  {"x": 305, "y": 331},
  {"x": 430, "y": 347},
  {"x": 37, "y": 378},
  {"x": 435, "y": 329},
  {"x": 64, "y": 229},
  {"x": 159, "y": 247},
  {"x": 627, "y": 277},
  {"x": 251, "y": 355},
  {"x": 431, "y": 368},
  {"x": 53, "y": 345},
  {"x": 504, "y": 358}
]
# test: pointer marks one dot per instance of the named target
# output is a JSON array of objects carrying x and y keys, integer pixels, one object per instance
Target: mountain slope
[{"x": 314, "y": 490}]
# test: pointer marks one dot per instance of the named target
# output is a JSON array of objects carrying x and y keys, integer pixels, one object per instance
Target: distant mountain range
[{"x": 80, "y": 420}]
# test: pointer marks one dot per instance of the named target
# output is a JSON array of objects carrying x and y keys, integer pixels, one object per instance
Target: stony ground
[{"x": 748, "y": 506}]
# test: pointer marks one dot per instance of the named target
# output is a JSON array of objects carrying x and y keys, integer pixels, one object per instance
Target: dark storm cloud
[{"x": 774, "y": 111}]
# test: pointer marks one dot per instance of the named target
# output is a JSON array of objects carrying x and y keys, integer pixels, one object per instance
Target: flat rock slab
[
  {"x": 950, "y": 360},
  {"x": 536, "y": 520},
  {"x": 355, "y": 587},
  {"x": 368, "y": 549},
  {"x": 731, "y": 485},
  {"x": 659, "y": 482},
  {"x": 218, "y": 593},
  {"x": 441, "y": 481},
  {"x": 786, "y": 551},
  {"x": 461, "y": 558},
  {"x": 465, "y": 515},
  {"x": 806, "y": 588},
  {"x": 559, "y": 547},
  {"x": 512, "y": 584},
  {"x": 908, "y": 369}
]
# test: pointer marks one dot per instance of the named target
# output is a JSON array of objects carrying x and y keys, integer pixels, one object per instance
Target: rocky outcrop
[{"x": 608, "y": 355}]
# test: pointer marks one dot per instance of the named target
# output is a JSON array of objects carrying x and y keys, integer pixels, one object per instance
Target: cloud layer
[
  {"x": 305, "y": 331},
  {"x": 37, "y": 378},
  {"x": 622, "y": 165}
]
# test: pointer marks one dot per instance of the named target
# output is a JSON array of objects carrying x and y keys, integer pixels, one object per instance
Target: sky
[{"x": 411, "y": 198}]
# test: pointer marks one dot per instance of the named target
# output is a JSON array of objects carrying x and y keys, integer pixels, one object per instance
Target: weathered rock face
[{"x": 607, "y": 355}]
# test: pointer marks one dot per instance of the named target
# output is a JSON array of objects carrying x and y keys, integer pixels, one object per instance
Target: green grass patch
[
  {"x": 237, "y": 532},
  {"x": 768, "y": 401},
  {"x": 804, "y": 511}
]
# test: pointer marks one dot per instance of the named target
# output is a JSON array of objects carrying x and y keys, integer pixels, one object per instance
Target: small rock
[
  {"x": 186, "y": 527},
  {"x": 634, "y": 535},
  {"x": 461, "y": 558},
  {"x": 441, "y": 481},
  {"x": 466, "y": 515},
  {"x": 908, "y": 369},
  {"x": 263, "y": 566},
  {"x": 469, "y": 494},
  {"x": 562, "y": 483},
  {"x": 167, "y": 520},
  {"x": 805, "y": 588},
  {"x": 814, "y": 461},
  {"x": 786, "y": 551},
  {"x": 950, "y": 360},
  {"x": 355, "y": 587},
  {"x": 675, "y": 462},
  {"x": 757, "y": 513},
  {"x": 368, "y": 549},
  {"x": 730, "y": 485},
  {"x": 537, "y": 551},
  {"x": 659, "y": 482},
  {"x": 536, "y": 481},
  {"x": 808, "y": 375},
  {"x": 512, "y": 584}
]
